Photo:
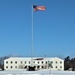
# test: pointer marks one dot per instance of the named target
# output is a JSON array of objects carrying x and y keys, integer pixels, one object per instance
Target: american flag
[{"x": 36, "y": 8}]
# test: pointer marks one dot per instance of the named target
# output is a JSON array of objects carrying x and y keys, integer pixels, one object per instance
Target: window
[
  {"x": 15, "y": 62},
  {"x": 11, "y": 67},
  {"x": 33, "y": 61},
  {"x": 56, "y": 62},
  {"x": 29, "y": 62},
  {"x": 6, "y": 62},
  {"x": 11, "y": 62},
  {"x": 42, "y": 62},
  {"x": 21, "y": 62},
  {"x": 25, "y": 62},
  {"x": 51, "y": 66},
  {"x": 6, "y": 66},
  {"x": 51, "y": 61},
  {"x": 60, "y": 62},
  {"x": 56, "y": 66},
  {"x": 46, "y": 62},
  {"x": 34, "y": 66},
  {"x": 15, "y": 66},
  {"x": 42, "y": 67},
  {"x": 60, "y": 66},
  {"x": 38, "y": 62},
  {"x": 38, "y": 67}
]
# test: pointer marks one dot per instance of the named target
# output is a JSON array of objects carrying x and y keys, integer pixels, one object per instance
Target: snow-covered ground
[{"x": 41, "y": 72}]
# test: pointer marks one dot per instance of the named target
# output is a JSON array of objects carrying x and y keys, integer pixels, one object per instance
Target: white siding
[{"x": 38, "y": 63}]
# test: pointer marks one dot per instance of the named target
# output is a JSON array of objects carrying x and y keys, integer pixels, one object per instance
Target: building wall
[
  {"x": 57, "y": 64},
  {"x": 15, "y": 63}
]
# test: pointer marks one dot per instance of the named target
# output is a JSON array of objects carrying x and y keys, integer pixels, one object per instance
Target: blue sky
[{"x": 54, "y": 29}]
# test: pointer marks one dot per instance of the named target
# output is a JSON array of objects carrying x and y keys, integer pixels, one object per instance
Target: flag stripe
[{"x": 36, "y": 8}]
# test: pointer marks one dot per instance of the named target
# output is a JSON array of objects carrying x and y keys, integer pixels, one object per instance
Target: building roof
[{"x": 29, "y": 58}]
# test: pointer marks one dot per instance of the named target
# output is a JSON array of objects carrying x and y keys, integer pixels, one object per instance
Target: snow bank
[{"x": 41, "y": 72}]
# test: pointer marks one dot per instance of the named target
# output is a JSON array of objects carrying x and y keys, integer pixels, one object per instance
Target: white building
[{"x": 16, "y": 63}]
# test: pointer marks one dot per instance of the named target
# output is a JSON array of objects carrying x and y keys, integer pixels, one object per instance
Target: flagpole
[
  {"x": 32, "y": 40},
  {"x": 40, "y": 8}
]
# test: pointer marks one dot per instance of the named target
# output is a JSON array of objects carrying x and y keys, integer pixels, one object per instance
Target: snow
[{"x": 41, "y": 72}]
